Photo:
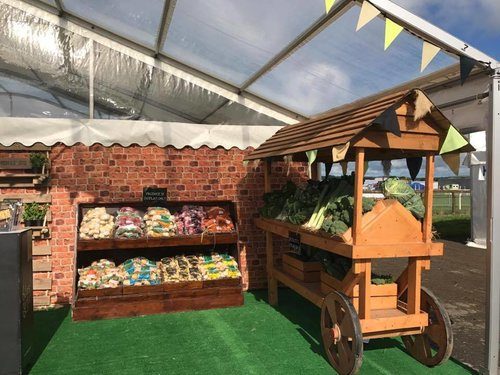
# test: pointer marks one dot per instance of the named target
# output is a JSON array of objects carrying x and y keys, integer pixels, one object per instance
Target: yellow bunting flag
[
  {"x": 368, "y": 12},
  {"x": 339, "y": 152},
  {"x": 311, "y": 157},
  {"x": 256, "y": 163},
  {"x": 429, "y": 51},
  {"x": 245, "y": 163},
  {"x": 452, "y": 160},
  {"x": 343, "y": 165},
  {"x": 392, "y": 30},
  {"x": 453, "y": 141},
  {"x": 329, "y": 5}
]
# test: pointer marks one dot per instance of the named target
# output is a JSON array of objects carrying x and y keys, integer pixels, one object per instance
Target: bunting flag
[
  {"x": 388, "y": 120},
  {"x": 339, "y": 152},
  {"x": 343, "y": 165},
  {"x": 328, "y": 169},
  {"x": 452, "y": 160},
  {"x": 386, "y": 167},
  {"x": 329, "y": 5},
  {"x": 368, "y": 12},
  {"x": 423, "y": 106},
  {"x": 429, "y": 51},
  {"x": 256, "y": 163},
  {"x": 365, "y": 167},
  {"x": 311, "y": 157},
  {"x": 288, "y": 162},
  {"x": 466, "y": 65},
  {"x": 392, "y": 30},
  {"x": 414, "y": 165},
  {"x": 245, "y": 163},
  {"x": 453, "y": 141}
]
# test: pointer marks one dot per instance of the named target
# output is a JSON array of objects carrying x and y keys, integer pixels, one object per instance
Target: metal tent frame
[{"x": 240, "y": 94}]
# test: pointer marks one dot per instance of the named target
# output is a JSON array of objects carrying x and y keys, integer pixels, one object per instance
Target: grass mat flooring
[{"x": 253, "y": 339}]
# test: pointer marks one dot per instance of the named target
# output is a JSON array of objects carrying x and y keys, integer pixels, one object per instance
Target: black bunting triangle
[
  {"x": 328, "y": 169},
  {"x": 414, "y": 165},
  {"x": 466, "y": 65},
  {"x": 388, "y": 120}
]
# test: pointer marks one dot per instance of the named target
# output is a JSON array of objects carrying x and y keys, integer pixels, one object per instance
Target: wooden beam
[
  {"x": 272, "y": 283},
  {"x": 414, "y": 285},
  {"x": 41, "y": 301},
  {"x": 365, "y": 291},
  {"x": 41, "y": 250},
  {"x": 42, "y": 266},
  {"x": 407, "y": 141},
  {"x": 428, "y": 197},
  {"x": 358, "y": 195},
  {"x": 42, "y": 284}
]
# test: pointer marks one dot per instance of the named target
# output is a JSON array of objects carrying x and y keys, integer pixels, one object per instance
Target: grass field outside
[{"x": 452, "y": 227}]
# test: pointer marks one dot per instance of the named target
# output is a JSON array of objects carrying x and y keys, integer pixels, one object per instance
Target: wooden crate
[
  {"x": 304, "y": 271},
  {"x": 382, "y": 296}
]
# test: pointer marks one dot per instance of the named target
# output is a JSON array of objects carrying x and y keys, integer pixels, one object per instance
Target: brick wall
[{"x": 113, "y": 174}]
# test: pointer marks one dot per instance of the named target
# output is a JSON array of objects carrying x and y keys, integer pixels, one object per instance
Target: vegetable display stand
[
  {"x": 396, "y": 126},
  {"x": 126, "y": 301}
]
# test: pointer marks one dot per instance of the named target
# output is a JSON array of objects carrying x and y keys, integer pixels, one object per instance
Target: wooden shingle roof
[{"x": 353, "y": 122}]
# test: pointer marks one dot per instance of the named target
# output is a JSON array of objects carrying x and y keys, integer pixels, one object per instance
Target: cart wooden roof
[{"x": 359, "y": 125}]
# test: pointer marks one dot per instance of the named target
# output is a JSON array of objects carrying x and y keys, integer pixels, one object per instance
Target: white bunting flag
[
  {"x": 429, "y": 51},
  {"x": 368, "y": 12}
]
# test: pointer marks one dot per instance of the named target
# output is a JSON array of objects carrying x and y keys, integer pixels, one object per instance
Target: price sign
[
  {"x": 151, "y": 195},
  {"x": 294, "y": 242}
]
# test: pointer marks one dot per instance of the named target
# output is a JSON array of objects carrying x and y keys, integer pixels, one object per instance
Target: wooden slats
[
  {"x": 42, "y": 266},
  {"x": 42, "y": 250},
  {"x": 42, "y": 284},
  {"x": 28, "y": 198},
  {"x": 39, "y": 301}
]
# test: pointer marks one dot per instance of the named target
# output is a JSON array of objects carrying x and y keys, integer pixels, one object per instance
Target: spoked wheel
[
  {"x": 341, "y": 332},
  {"x": 435, "y": 344}
]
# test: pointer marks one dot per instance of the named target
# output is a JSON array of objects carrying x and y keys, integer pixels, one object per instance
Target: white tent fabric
[{"x": 124, "y": 133}]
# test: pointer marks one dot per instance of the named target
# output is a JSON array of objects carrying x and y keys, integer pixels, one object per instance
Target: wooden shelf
[
  {"x": 163, "y": 298},
  {"x": 144, "y": 243},
  {"x": 22, "y": 180},
  {"x": 336, "y": 245}
]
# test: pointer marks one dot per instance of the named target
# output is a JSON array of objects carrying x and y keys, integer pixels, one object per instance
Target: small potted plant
[
  {"x": 34, "y": 214},
  {"x": 38, "y": 161}
]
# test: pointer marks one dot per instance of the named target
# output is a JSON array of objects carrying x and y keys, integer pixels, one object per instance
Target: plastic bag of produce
[
  {"x": 217, "y": 220},
  {"x": 100, "y": 274},
  {"x": 189, "y": 220},
  {"x": 394, "y": 188},
  {"x": 140, "y": 271},
  {"x": 129, "y": 224},
  {"x": 159, "y": 222},
  {"x": 96, "y": 224}
]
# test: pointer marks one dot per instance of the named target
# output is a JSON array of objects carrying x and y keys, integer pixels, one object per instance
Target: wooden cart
[{"x": 353, "y": 309}]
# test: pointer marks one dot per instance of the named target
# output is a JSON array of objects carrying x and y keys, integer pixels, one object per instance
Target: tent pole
[{"x": 493, "y": 228}]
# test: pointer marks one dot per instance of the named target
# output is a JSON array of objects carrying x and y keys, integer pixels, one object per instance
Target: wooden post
[
  {"x": 365, "y": 290},
  {"x": 414, "y": 285},
  {"x": 428, "y": 197},
  {"x": 358, "y": 194},
  {"x": 272, "y": 283}
]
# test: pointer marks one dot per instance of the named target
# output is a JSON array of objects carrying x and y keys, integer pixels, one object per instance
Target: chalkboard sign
[
  {"x": 294, "y": 242},
  {"x": 151, "y": 195}
]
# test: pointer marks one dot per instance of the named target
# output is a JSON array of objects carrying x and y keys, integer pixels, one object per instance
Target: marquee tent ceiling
[{"x": 215, "y": 62}]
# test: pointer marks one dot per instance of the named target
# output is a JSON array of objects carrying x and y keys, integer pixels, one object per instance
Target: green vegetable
[
  {"x": 275, "y": 200},
  {"x": 38, "y": 160},
  {"x": 381, "y": 279},
  {"x": 34, "y": 211},
  {"x": 394, "y": 188}
]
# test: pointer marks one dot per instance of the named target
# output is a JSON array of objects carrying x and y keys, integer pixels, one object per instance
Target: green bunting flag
[
  {"x": 365, "y": 167},
  {"x": 388, "y": 120},
  {"x": 466, "y": 65},
  {"x": 329, "y": 5},
  {"x": 311, "y": 157},
  {"x": 414, "y": 165},
  {"x": 392, "y": 30},
  {"x": 453, "y": 141}
]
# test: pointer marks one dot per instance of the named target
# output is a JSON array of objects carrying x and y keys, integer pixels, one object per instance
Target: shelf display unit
[
  {"x": 353, "y": 309},
  {"x": 125, "y": 301}
]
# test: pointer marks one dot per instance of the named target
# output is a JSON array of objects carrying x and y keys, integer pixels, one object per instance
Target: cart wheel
[
  {"x": 435, "y": 344},
  {"x": 341, "y": 332}
]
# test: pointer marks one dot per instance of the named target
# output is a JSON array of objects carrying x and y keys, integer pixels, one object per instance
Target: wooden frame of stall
[{"x": 388, "y": 231}]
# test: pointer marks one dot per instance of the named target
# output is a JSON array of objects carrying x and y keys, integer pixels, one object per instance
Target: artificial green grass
[
  {"x": 253, "y": 339},
  {"x": 452, "y": 227}
]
